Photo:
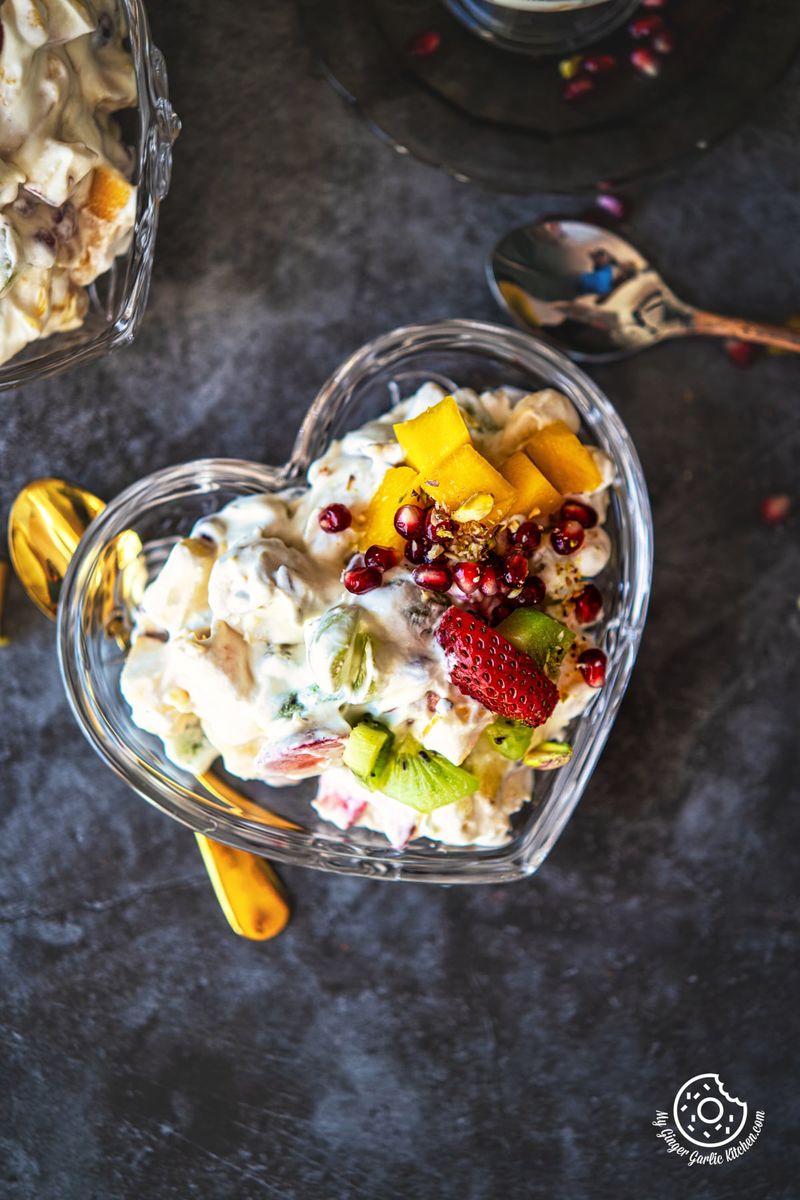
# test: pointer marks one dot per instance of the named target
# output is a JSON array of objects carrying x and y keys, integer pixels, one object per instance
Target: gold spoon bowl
[{"x": 48, "y": 518}]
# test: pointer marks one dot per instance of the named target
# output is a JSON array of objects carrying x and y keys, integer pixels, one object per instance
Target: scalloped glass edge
[
  {"x": 118, "y": 298},
  {"x": 428, "y": 862}
]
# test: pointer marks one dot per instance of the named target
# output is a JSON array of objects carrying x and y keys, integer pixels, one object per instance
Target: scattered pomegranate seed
[
  {"x": 592, "y": 666},
  {"x": 566, "y": 537},
  {"x": 490, "y": 584},
  {"x": 599, "y": 64},
  {"x": 382, "y": 558},
  {"x": 741, "y": 354},
  {"x": 774, "y": 510},
  {"x": 416, "y": 549},
  {"x": 664, "y": 41},
  {"x": 584, "y": 514},
  {"x": 646, "y": 62},
  {"x": 644, "y": 27},
  {"x": 425, "y": 43},
  {"x": 580, "y": 86},
  {"x": 515, "y": 570},
  {"x": 527, "y": 537},
  {"x": 614, "y": 206},
  {"x": 467, "y": 575},
  {"x": 362, "y": 579},
  {"x": 533, "y": 592},
  {"x": 409, "y": 521},
  {"x": 335, "y": 518},
  {"x": 436, "y": 525},
  {"x": 588, "y": 604},
  {"x": 435, "y": 579}
]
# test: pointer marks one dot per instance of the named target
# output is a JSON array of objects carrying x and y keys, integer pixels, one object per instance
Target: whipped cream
[
  {"x": 247, "y": 645},
  {"x": 66, "y": 206}
]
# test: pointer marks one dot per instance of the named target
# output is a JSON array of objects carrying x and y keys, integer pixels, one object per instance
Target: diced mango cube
[
  {"x": 563, "y": 459},
  {"x": 434, "y": 434},
  {"x": 378, "y": 528},
  {"x": 108, "y": 193},
  {"x": 535, "y": 494},
  {"x": 463, "y": 475}
]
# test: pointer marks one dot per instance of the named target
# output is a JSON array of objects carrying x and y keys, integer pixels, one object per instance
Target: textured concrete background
[{"x": 410, "y": 1041}]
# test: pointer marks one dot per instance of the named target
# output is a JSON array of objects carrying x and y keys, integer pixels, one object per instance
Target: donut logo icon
[{"x": 705, "y": 1114}]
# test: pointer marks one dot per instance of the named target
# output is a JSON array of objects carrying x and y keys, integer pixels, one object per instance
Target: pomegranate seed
[
  {"x": 490, "y": 584},
  {"x": 382, "y": 558},
  {"x": 409, "y": 521},
  {"x": 416, "y": 548},
  {"x": 362, "y": 579},
  {"x": 515, "y": 570},
  {"x": 527, "y": 537},
  {"x": 588, "y": 604},
  {"x": 614, "y": 206},
  {"x": 335, "y": 518},
  {"x": 566, "y": 537},
  {"x": 533, "y": 592},
  {"x": 584, "y": 514},
  {"x": 599, "y": 64},
  {"x": 773, "y": 510},
  {"x": 467, "y": 575},
  {"x": 645, "y": 27},
  {"x": 645, "y": 61},
  {"x": 592, "y": 666},
  {"x": 425, "y": 43},
  {"x": 664, "y": 41},
  {"x": 654, "y": 3},
  {"x": 741, "y": 354},
  {"x": 436, "y": 525},
  {"x": 580, "y": 86},
  {"x": 501, "y": 611},
  {"x": 435, "y": 579}
]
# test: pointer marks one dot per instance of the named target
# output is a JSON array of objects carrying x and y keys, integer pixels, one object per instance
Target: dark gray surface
[{"x": 411, "y": 1041}]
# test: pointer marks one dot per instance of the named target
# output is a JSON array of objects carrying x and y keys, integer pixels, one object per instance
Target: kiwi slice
[
  {"x": 509, "y": 738},
  {"x": 423, "y": 779},
  {"x": 368, "y": 740},
  {"x": 542, "y": 638}
]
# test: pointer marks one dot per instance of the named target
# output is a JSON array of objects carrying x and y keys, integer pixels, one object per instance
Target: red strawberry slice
[{"x": 484, "y": 665}]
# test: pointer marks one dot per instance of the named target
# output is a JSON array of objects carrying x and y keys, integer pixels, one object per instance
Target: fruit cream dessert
[
  {"x": 413, "y": 628},
  {"x": 66, "y": 206}
]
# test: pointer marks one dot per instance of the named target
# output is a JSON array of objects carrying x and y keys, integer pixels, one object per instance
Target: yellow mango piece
[
  {"x": 378, "y": 528},
  {"x": 466, "y": 475},
  {"x": 108, "y": 193},
  {"x": 563, "y": 459},
  {"x": 434, "y": 434},
  {"x": 535, "y": 493}
]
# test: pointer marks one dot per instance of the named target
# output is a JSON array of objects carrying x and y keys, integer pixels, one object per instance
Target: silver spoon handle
[{"x": 711, "y": 325}]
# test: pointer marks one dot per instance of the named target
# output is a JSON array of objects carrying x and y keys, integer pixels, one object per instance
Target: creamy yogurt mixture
[
  {"x": 66, "y": 206},
  {"x": 248, "y": 646}
]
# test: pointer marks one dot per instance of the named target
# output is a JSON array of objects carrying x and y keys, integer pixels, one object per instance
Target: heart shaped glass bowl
[
  {"x": 118, "y": 298},
  {"x": 111, "y": 563}
]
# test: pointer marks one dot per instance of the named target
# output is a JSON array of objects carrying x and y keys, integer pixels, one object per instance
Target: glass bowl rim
[{"x": 452, "y": 865}]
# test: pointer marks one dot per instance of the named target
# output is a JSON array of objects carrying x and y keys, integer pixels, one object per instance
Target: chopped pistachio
[{"x": 475, "y": 508}]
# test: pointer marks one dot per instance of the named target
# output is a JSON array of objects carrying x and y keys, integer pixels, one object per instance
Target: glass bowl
[
  {"x": 117, "y": 299},
  {"x": 111, "y": 564}
]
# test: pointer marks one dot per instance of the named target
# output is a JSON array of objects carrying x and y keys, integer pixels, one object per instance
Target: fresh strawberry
[{"x": 484, "y": 665}]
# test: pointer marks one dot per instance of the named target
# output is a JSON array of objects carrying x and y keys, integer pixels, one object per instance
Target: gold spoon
[{"x": 46, "y": 522}]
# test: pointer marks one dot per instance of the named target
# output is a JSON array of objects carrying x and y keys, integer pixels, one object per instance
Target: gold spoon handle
[
  {"x": 712, "y": 325},
  {"x": 248, "y": 890}
]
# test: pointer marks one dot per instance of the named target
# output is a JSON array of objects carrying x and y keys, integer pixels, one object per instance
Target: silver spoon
[{"x": 595, "y": 294}]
